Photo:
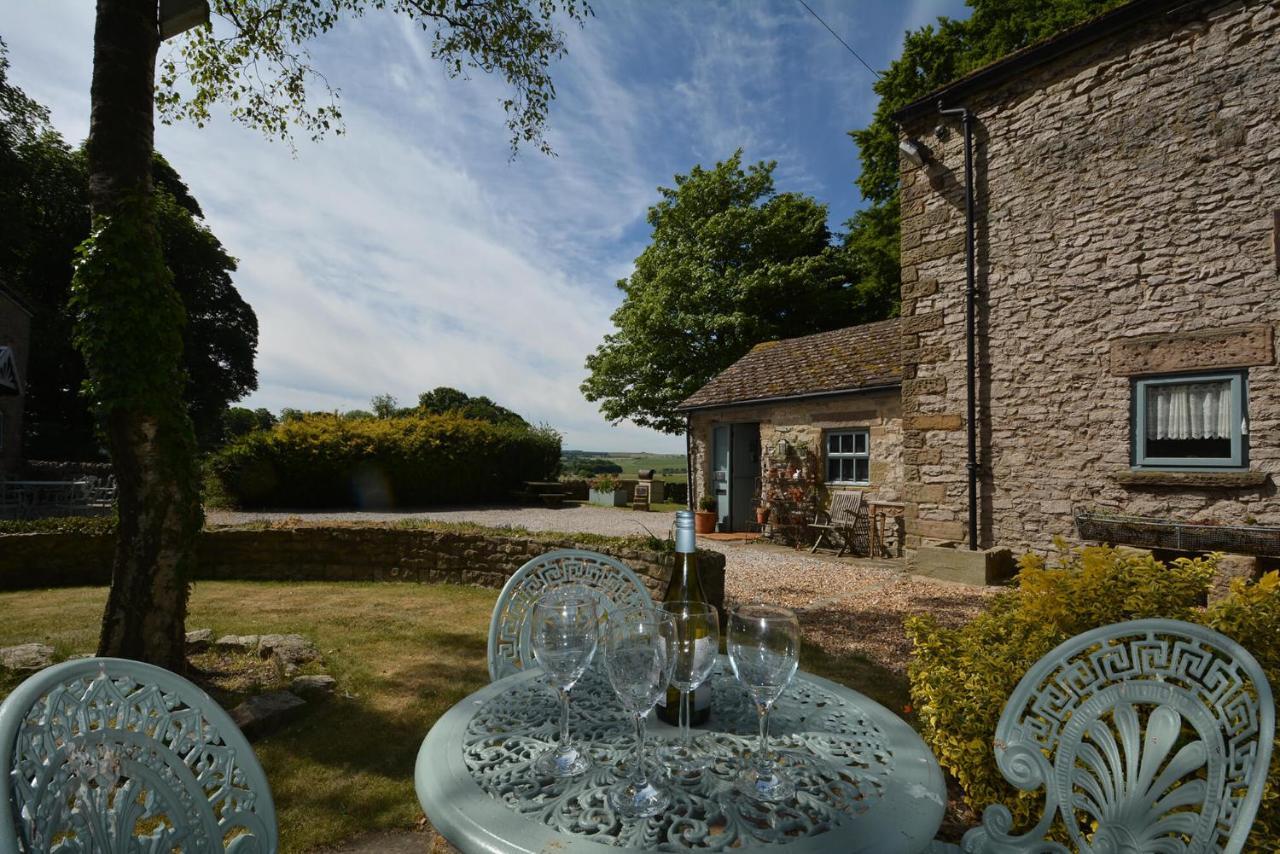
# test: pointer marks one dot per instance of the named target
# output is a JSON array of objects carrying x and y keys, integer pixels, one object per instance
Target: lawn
[{"x": 402, "y": 655}]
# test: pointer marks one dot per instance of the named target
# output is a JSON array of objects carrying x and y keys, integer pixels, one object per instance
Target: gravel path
[{"x": 845, "y": 604}]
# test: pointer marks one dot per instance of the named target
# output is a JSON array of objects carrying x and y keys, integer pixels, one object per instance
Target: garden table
[{"x": 865, "y": 781}]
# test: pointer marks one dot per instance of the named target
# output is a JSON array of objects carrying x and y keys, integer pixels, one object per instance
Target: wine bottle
[{"x": 686, "y": 586}]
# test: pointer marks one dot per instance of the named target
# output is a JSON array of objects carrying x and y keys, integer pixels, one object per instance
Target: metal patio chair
[
  {"x": 111, "y": 756},
  {"x": 614, "y": 583},
  {"x": 1149, "y": 736}
]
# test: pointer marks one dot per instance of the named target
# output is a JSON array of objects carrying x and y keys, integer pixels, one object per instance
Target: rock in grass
[
  {"x": 289, "y": 652},
  {"x": 314, "y": 687},
  {"x": 26, "y": 657},
  {"x": 266, "y": 713},
  {"x": 199, "y": 640},
  {"x": 237, "y": 643}
]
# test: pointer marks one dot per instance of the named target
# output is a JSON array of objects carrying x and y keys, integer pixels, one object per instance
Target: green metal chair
[
  {"x": 611, "y": 581},
  {"x": 1147, "y": 737},
  {"x": 108, "y": 756}
]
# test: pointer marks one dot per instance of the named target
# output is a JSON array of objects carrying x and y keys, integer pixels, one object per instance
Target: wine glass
[
  {"x": 638, "y": 659},
  {"x": 697, "y": 642},
  {"x": 764, "y": 649},
  {"x": 563, "y": 633}
]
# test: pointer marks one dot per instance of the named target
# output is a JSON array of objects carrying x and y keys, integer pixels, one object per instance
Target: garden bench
[
  {"x": 552, "y": 499},
  {"x": 115, "y": 756},
  {"x": 843, "y": 518},
  {"x": 614, "y": 584},
  {"x": 1146, "y": 736}
]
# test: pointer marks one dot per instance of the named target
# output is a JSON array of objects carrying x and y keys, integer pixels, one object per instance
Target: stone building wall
[
  {"x": 1127, "y": 190},
  {"x": 15, "y": 332},
  {"x": 334, "y": 554},
  {"x": 804, "y": 421}
]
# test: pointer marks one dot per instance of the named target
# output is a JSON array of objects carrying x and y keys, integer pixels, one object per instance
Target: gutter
[{"x": 755, "y": 401}]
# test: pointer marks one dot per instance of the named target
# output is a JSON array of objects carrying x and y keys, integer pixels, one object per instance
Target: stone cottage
[
  {"x": 825, "y": 405},
  {"x": 15, "y": 339},
  {"x": 1126, "y": 281}
]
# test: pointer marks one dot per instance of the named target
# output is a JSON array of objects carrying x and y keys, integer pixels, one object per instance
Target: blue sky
[{"x": 413, "y": 252}]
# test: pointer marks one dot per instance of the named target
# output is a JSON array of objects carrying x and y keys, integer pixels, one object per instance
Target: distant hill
[{"x": 668, "y": 466}]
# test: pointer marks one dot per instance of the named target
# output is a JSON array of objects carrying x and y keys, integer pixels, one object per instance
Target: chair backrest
[
  {"x": 96, "y": 752},
  {"x": 1150, "y": 735},
  {"x": 614, "y": 584},
  {"x": 846, "y": 505}
]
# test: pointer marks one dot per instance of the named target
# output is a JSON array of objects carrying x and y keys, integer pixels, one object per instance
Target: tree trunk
[{"x": 129, "y": 329}]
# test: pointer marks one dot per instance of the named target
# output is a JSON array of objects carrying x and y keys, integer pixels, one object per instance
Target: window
[
  {"x": 1190, "y": 422},
  {"x": 849, "y": 457}
]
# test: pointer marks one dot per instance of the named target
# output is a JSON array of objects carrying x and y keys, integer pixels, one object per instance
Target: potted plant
[
  {"x": 607, "y": 490},
  {"x": 704, "y": 521},
  {"x": 762, "y": 512}
]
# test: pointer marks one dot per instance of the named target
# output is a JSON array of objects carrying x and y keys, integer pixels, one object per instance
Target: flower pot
[
  {"x": 762, "y": 515},
  {"x": 608, "y": 497},
  {"x": 704, "y": 521}
]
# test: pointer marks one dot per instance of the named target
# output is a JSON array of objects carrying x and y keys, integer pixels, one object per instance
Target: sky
[{"x": 413, "y": 251}]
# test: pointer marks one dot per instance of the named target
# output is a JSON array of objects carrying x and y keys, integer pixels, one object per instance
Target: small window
[
  {"x": 849, "y": 457},
  {"x": 1190, "y": 422}
]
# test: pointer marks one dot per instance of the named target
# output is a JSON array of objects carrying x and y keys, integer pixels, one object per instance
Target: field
[{"x": 668, "y": 466}]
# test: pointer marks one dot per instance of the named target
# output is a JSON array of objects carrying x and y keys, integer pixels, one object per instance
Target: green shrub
[
  {"x": 323, "y": 461},
  {"x": 961, "y": 677}
]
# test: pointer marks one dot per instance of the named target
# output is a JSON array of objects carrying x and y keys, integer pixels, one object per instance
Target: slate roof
[{"x": 842, "y": 360}]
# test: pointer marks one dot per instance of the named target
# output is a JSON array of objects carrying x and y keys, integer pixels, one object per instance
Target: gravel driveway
[{"x": 845, "y": 604}]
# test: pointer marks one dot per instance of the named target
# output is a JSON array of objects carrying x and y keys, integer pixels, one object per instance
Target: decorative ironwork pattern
[
  {"x": 613, "y": 583},
  {"x": 114, "y": 756},
  {"x": 834, "y": 750},
  {"x": 1147, "y": 736}
]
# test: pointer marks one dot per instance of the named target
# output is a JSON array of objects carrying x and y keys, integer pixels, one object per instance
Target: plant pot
[
  {"x": 608, "y": 497},
  {"x": 762, "y": 515},
  {"x": 704, "y": 521}
]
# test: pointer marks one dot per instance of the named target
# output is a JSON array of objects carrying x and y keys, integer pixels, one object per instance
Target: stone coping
[{"x": 1205, "y": 479}]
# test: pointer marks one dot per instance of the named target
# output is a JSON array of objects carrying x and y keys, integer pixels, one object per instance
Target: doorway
[{"x": 735, "y": 457}]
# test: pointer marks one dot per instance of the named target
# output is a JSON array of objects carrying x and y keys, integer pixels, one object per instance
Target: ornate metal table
[{"x": 865, "y": 781}]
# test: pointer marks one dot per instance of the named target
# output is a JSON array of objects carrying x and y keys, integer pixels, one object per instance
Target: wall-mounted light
[{"x": 914, "y": 152}]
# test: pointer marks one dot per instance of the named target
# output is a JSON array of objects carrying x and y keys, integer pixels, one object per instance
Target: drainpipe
[
  {"x": 970, "y": 317},
  {"x": 688, "y": 460}
]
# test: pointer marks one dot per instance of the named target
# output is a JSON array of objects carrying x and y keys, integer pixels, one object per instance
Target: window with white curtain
[{"x": 1190, "y": 421}]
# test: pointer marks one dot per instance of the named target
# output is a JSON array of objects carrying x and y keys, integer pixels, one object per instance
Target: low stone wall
[{"x": 332, "y": 554}]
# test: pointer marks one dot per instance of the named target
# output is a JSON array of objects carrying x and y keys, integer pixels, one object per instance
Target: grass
[{"x": 402, "y": 655}]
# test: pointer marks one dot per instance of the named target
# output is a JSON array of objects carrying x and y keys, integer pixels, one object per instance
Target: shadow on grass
[{"x": 863, "y": 675}]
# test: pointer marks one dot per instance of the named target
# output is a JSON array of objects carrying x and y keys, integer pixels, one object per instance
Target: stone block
[
  {"x": 965, "y": 566},
  {"x": 1232, "y": 568},
  {"x": 927, "y": 322},
  {"x": 237, "y": 643},
  {"x": 936, "y": 529},
  {"x": 265, "y": 713},
  {"x": 198, "y": 640},
  {"x": 288, "y": 652},
  {"x": 26, "y": 657},
  {"x": 1207, "y": 349},
  {"x": 936, "y": 421},
  {"x": 320, "y": 687}
]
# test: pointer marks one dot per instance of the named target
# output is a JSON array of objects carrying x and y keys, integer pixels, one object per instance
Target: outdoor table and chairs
[{"x": 841, "y": 772}]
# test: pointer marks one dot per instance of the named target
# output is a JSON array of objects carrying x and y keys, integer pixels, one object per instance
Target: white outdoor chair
[
  {"x": 614, "y": 584},
  {"x": 108, "y": 756},
  {"x": 1147, "y": 737}
]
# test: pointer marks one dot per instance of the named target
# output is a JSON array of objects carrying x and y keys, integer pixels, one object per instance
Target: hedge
[
  {"x": 961, "y": 677},
  {"x": 323, "y": 461}
]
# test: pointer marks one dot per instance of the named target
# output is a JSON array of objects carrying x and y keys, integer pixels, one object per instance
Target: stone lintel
[
  {"x": 1203, "y": 350},
  {"x": 1192, "y": 479}
]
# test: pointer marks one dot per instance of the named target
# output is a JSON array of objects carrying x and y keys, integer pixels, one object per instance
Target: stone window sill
[{"x": 1207, "y": 479}]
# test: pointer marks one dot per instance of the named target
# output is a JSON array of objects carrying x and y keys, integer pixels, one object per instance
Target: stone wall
[
  {"x": 805, "y": 421},
  {"x": 1126, "y": 197},
  {"x": 15, "y": 332},
  {"x": 332, "y": 554}
]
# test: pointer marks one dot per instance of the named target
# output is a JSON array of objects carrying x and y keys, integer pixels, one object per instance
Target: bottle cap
[{"x": 686, "y": 539}]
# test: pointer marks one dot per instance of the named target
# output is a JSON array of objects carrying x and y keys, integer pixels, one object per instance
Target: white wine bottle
[{"x": 686, "y": 586}]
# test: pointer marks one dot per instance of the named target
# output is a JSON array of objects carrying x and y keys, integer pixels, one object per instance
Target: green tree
[
  {"x": 931, "y": 58},
  {"x": 384, "y": 406},
  {"x": 129, "y": 318},
  {"x": 443, "y": 399},
  {"x": 731, "y": 263},
  {"x": 238, "y": 421},
  {"x": 47, "y": 194}
]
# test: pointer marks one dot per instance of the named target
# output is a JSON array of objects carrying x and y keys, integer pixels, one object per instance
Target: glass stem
[
  {"x": 764, "y": 735},
  {"x": 564, "y": 719},
  {"x": 638, "y": 774},
  {"x": 685, "y": 735}
]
